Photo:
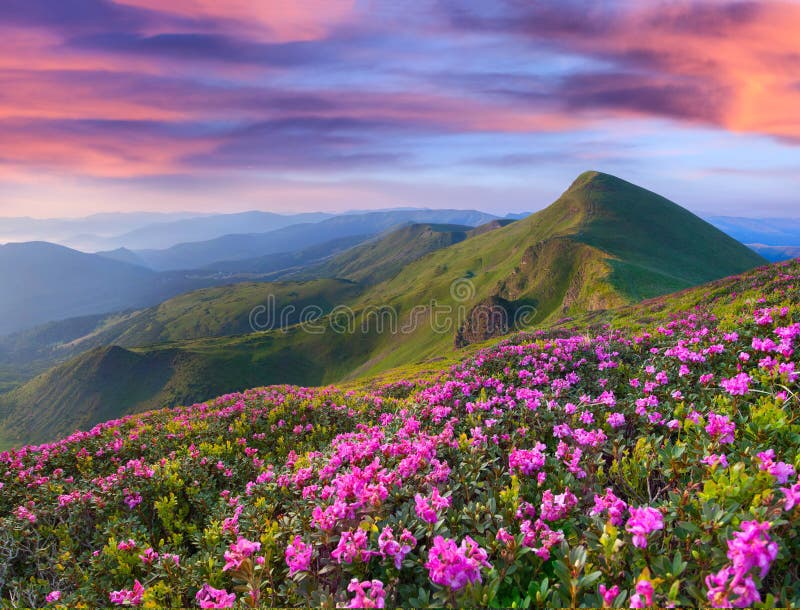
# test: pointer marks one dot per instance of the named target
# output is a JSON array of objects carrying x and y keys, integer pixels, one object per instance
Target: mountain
[
  {"x": 604, "y": 243},
  {"x": 297, "y": 237},
  {"x": 273, "y": 264},
  {"x": 43, "y": 282},
  {"x": 766, "y": 231},
  {"x": 89, "y": 232},
  {"x": 122, "y": 255},
  {"x": 167, "y": 234},
  {"x": 223, "y": 311},
  {"x": 776, "y": 253},
  {"x": 775, "y": 239},
  {"x": 386, "y": 255}
]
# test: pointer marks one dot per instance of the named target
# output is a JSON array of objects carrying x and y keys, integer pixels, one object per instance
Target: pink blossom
[
  {"x": 527, "y": 461},
  {"x": 128, "y": 597},
  {"x": 738, "y": 385},
  {"x": 209, "y": 597},
  {"x": 456, "y": 566},
  {"x": 780, "y": 470},
  {"x": 539, "y": 537},
  {"x": 792, "y": 495},
  {"x": 427, "y": 508},
  {"x": 715, "y": 459},
  {"x": 53, "y": 597},
  {"x": 643, "y": 598},
  {"x": 643, "y": 521},
  {"x": 612, "y": 504},
  {"x": 721, "y": 428},
  {"x": 390, "y": 547},
  {"x": 298, "y": 556},
  {"x": 721, "y": 588},
  {"x": 616, "y": 420},
  {"x": 238, "y": 552},
  {"x": 352, "y": 547},
  {"x": 126, "y": 545},
  {"x": 368, "y": 594},
  {"x": 608, "y": 595},
  {"x": 148, "y": 557},
  {"x": 557, "y": 507},
  {"x": 133, "y": 500},
  {"x": 504, "y": 537},
  {"x": 751, "y": 547}
]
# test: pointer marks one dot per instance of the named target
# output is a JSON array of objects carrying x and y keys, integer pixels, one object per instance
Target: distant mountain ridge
[
  {"x": 603, "y": 243},
  {"x": 296, "y": 237}
]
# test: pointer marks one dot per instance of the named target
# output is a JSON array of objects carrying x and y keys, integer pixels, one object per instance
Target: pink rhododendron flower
[
  {"x": 126, "y": 545},
  {"x": 721, "y": 428},
  {"x": 53, "y": 597},
  {"x": 643, "y": 521},
  {"x": 456, "y": 566},
  {"x": 368, "y": 594},
  {"x": 209, "y": 597},
  {"x": 792, "y": 495},
  {"x": 527, "y": 461},
  {"x": 539, "y": 537},
  {"x": 750, "y": 549},
  {"x": 352, "y": 547},
  {"x": 427, "y": 507},
  {"x": 148, "y": 557},
  {"x": 780, "y": 470},
  {"x": 738, "y": 385},
  {"x": 608, "y": 595},
  {"x": 298, "y": 556},
  {"x": 716, "y": 460},
  {"x": 557, "y": 507},
  {"x": 390, "y": 547},
  {"x": 504, "y": 537},
  {"x": 128, "y": 597},
  {"x": 643, "y": 598},
  {"x": 616, "y": 420},
  {"x": 238, "y": 552},
  {"x": 612, "y": 504}
]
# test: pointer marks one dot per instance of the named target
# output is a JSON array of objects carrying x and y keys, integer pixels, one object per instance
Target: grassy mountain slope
[
  {"x": 211, "y": 312},
  {"x": 282, "y": 263},
  {"x": 603, "y": 244},
  {"x": 225, "y": 311},
  {"x": 385, "y": 256}
]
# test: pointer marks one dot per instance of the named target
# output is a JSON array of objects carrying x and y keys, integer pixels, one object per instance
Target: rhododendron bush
[{"x": 645, "y": 463}]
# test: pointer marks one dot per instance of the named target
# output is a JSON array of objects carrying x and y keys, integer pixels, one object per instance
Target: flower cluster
[{"x": 455, "y": 566}]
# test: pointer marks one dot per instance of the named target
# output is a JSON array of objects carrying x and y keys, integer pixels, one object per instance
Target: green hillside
[
  {"x": 603, "y": 244},
  {"x": 384, "y": 257}
]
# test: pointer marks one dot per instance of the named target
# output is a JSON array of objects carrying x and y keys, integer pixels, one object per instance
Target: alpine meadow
[{"x": 338, "y": 304}]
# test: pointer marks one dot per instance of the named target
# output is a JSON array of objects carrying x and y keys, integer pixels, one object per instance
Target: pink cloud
[{"x": 273, "y": 20}]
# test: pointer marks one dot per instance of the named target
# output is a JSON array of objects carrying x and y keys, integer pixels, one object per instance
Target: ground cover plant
[{"x": 641, "y": 458}]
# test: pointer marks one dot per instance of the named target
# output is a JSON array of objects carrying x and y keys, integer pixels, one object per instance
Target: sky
[{"x": 299, "y": 105}]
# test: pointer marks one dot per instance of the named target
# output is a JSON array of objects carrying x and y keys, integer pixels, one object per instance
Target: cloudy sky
[{"x": 215, "y": 105}]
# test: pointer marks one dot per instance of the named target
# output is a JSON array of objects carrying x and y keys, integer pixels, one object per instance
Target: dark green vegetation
[{"x": 604, "y": 243}]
